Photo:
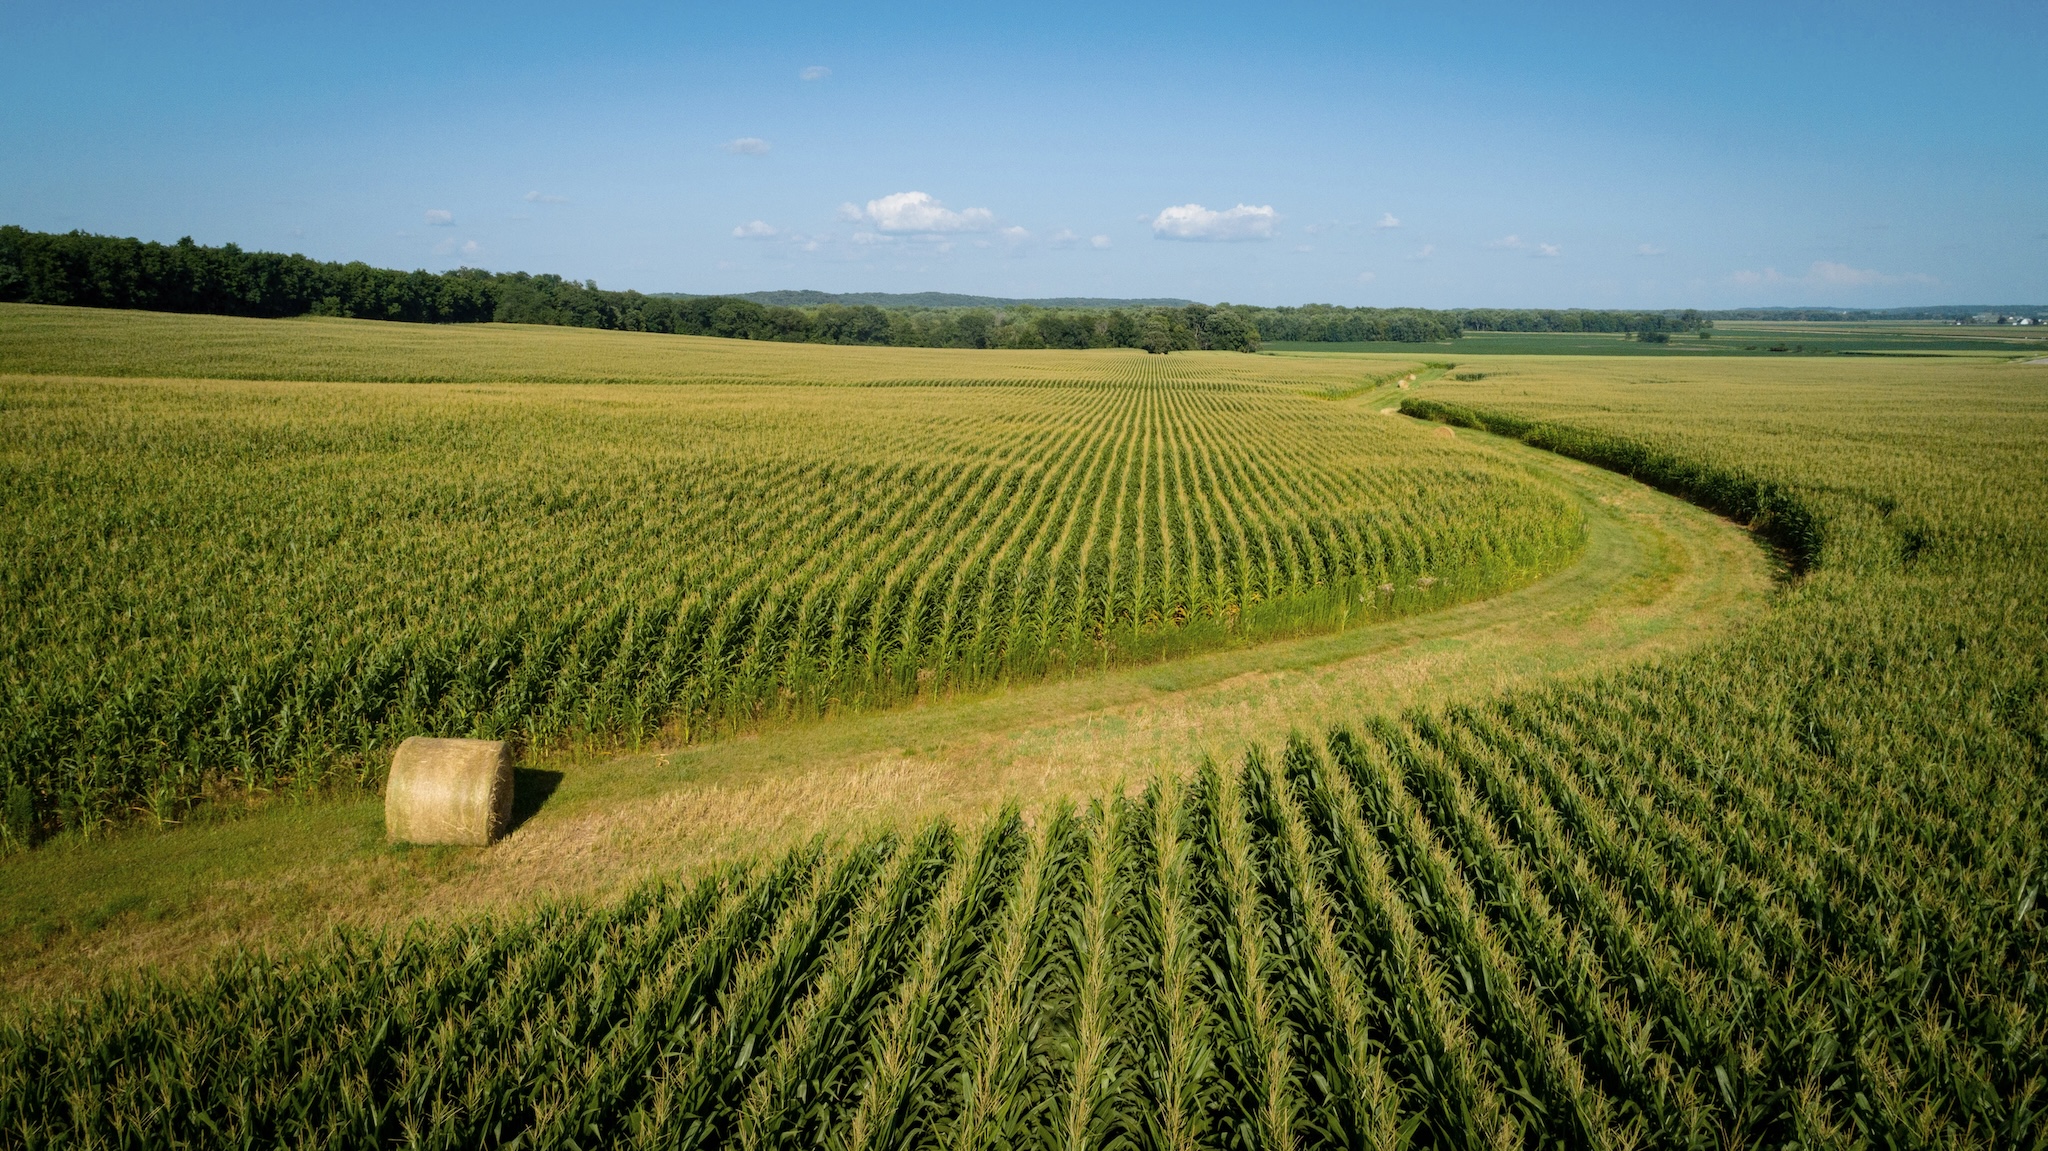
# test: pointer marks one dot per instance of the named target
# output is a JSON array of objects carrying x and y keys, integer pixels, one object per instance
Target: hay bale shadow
[{"x": 531, "y": 788}]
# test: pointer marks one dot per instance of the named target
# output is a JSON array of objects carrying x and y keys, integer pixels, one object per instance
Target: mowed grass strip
[
  {"x": 1780, "y": 890},
  {"x": 244, "y": 586},
  {"x": 1377, "y": 963}
]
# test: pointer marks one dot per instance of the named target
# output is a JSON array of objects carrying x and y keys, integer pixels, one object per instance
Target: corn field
[
  {"x": 1781, "y": 890},
  {"x": 1513, "y": 926},
  {"x": 255, "y": 586}
]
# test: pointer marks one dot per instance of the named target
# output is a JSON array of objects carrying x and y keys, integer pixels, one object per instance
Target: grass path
[{"x": 1656, "y": 575}]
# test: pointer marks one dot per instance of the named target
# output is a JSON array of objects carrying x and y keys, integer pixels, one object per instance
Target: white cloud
[
  {"x": 915, "y": 213},
  {"x": 814, "y": 72},
  {"x": 440, "y": 218},
  {"x": 1098, "y": 242},
  {"x": 1015, "y": 234},
  {"x": 1366, "y": 277},
  {"x": 1648, "y": 250},
  {"x": 851, "y": 213},
  {"x": 756, "y": 230},
  {"x": 544, "y": 198},
  {"x": 1424, "y": 252},
  {"x": 748, "y": 146},
  {"x": 470, "y": 248},
  {"x": 1510, "y": 242},
  {"x": 1387, "y": 220},
  {"x": 1831, "y": 274},
  {"x": 1064, "y": 238},
  {"x": 1194, "y": 222},
  {"x": 1548, "y": 250}
]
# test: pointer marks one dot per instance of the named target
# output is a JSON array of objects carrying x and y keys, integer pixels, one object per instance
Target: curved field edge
[
  {"x": 1656, "y": 576},
  {"x": 1767, "y": 507},
  {"x": 1780, "y": 890},
  {"x": 260, "y": 587}
]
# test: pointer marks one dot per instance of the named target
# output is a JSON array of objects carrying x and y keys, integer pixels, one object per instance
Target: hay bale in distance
[{"x": 448, "y": 791}]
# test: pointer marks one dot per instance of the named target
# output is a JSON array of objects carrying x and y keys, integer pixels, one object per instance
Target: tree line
[
  {"x": 82, "y": 269},
  {"x": 1581, "y": 320},
  {"x": 85, "y": 270}
]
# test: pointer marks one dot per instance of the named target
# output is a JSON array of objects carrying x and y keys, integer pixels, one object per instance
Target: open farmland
[
  {"x": 1775, "y": 338},
  {"x": 251, "y": 584},
  {"x": 1779, "y": 888}
]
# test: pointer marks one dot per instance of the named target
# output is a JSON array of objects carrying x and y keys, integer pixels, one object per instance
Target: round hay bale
[{"x": 448, "y": 791}]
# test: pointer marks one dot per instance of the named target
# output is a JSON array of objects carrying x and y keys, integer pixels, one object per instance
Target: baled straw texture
[{"x": 448, "y": 791}]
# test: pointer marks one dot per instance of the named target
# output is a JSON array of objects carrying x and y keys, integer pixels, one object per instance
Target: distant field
[
  {"x": 249, "y": 583},
  {"x": 1730, "y": 338}
]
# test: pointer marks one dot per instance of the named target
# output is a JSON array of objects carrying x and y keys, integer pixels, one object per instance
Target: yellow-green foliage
[
  {"x": 1781, "y": 891},
  {"x": 243, "y": 579}
]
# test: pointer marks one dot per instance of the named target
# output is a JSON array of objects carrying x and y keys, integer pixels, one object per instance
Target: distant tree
[{"x": 1167, "y": 331}]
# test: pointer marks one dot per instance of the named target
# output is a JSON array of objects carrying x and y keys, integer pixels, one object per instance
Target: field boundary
[{"x": 1766, "y": 507}]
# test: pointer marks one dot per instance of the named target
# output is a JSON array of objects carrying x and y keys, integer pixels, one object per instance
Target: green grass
[
  {"x": 251, "y": 586},
  {"x": 1656, "y": 576},
  {"x": 1780, "y": 888}
]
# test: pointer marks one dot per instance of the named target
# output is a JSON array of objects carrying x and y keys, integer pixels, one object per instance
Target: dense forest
[{"x": 81, "y": 269}]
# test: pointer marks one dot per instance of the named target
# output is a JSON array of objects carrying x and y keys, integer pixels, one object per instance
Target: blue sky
[{"x": 1616, "y": 155}]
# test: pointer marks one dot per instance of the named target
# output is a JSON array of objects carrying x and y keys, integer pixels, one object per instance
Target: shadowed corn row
[{"x": 1428, "y": 933}]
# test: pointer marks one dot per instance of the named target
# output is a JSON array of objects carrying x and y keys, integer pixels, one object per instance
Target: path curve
[{"x": 1657, "y": 575}]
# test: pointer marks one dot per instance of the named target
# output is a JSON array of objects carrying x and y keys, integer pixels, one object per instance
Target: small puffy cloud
[
  {"x": 1098, "y": 242},
  {"x": 915, "y": 213},
  {"x": 1387, "y": 220},
  {"x": 1648, "y": 250},
  {"x": 748, "y": 146},
  {"x": 440, "y": 218},
  {"x": 1510, "y": 243},
  {"x": 814, "y": 72},
  {"x": 1015, "y": 234},
  {"x": 851, "y": 213},
  {"x": 1064, "y": 238},
  {"x": 1194, "y": 222},
  {"x": 544, "y": 198},
  {"x": 1548, "y": 250},
  {"x": 756, "y": 230},
  {"x": 470, "y": 248},
  {"x": 1828, "y": 273},
  {"x": 1424, "y": 252}
]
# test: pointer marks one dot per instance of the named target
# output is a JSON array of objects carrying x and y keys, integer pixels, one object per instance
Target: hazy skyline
[{"x": 1591, "y": 155}]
